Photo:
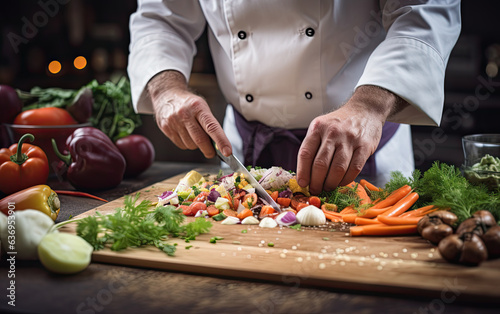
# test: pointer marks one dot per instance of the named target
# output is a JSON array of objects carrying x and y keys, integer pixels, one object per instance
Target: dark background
[{"x": 98, "y": 30}]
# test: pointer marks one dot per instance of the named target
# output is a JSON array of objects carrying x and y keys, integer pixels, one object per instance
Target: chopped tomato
[
  {"x": 201, "y": 197},
  {"x": 315, "y": 201},
  {"x": 250, "y": 200}
]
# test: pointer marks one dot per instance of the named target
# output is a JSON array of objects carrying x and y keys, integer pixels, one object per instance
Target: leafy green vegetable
[
  {"x": 296, "y": 227},
  {"x": 136, "y": 225},
  {"x": 342, "y": 196},
  {"x": 112, "y": 110}
]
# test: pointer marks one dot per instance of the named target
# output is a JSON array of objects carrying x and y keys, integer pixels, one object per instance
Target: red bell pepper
[
  {"x": 22, "y": 165},
  {"x": 93, "y": 162}
]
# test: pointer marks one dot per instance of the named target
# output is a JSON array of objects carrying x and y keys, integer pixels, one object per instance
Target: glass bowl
[
  {"x": 43, "y": 137},
  {"x": 482, "y": 159}
]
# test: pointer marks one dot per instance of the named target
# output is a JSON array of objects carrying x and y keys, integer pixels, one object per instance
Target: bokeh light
[
  {"x": 80, "y": 62},
  {"x": 54, "y": 67}
]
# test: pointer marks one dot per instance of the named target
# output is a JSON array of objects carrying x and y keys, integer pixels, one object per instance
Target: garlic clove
[
  {"x": 268, "y": 222},
  {"x": 230, "y": 221},
  {"x": 251, "y": 220}
]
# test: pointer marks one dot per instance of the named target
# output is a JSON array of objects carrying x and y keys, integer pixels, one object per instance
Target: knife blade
[{"x": 238, "y": 167}]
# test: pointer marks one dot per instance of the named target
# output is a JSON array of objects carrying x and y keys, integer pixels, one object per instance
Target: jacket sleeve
[
  {"x": 411, "y": 61},
  {"x": 163, "y": 34}
]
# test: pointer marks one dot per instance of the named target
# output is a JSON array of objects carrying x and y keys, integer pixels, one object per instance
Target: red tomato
[
  {"x": 201, "y": 197},
  {"x": 197, "y": 206},
  {"x": 45, "y": 116},
  {"x": 186, "y": 210},
  {"x": 250, "y": 199},
  {"x": 315, "y": 201}
]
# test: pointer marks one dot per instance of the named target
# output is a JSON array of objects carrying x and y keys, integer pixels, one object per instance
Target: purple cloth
[{"x": 267, "y": 146}]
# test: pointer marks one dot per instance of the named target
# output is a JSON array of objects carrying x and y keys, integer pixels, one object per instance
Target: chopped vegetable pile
[{"x": 392, "y": 210}]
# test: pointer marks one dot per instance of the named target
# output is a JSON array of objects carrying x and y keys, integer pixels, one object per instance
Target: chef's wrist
[
  {"x": 378, "y": 101},
  {"x": 166, "y": 82}
]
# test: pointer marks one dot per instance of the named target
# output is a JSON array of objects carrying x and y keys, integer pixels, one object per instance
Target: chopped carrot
[
  {"x": 212, "y": 210},
  {"x": 333, "y": 218},
  {"x": 230, "y": 212},
  {"x": 274, "y": 195},
  {"x": 394, "y": 197},
  {"x": 283, "y": 201},
  {"x": 367, "y": 185},
  {"x": 230, "y": 199},
  {"x": 327, "y": 207},
  {"x": 315, "y": 201},
  {"x": 402, "y": 205},
  {"x": 244, "y": 214},
  {"x": 360, "y": 221},
  {"x": 265, "y": 211},
  {"x": 399, "y": 220},
  {"x": 382, "y": 230}
]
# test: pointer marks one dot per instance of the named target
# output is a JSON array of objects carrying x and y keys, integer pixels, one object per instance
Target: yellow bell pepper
[{"x": 38, "y": 197}]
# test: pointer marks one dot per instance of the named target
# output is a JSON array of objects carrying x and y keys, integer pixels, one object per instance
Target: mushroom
[{"x": 435, "y": 233}]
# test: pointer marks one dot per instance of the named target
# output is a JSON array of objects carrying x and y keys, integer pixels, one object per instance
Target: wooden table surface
[{"x": 103, "y": 288}]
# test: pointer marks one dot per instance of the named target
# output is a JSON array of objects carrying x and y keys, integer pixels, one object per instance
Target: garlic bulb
[
  {"x": 311, "y": 216},
  {"x": 267, "y": 222},
  {"x": 251, "y": 220}
]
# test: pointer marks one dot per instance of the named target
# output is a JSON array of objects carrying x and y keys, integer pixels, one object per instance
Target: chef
[{"x": 326, "y": 88}]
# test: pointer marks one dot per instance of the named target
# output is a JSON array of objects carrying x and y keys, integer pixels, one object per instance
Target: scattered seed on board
[
  {"x": 320, "y": 256},
  {"x": 379, "y": 267},
  {"x": 405, "y": 250},
  {"x": 414, "y": 255},
  {"x": 431, "y": 255},
  {"x": 323, "y": 250},
  {"x": 433, "y": 249},
  {"x": 294, "y": 247},
  {"x": 395, "y": 254},
  {"x": 283, "y": 255},
  {"x": 346, "y": 241},
  {"x": 267, "y": 251},
  {"x": 262, "y": 241},
  {"x": 299, "y": 259},
  {"x": 222, "y": 254},
  {"x": 342, "y": 263},
  {"x": 360, "y": 263},
  {"x": 239, "y": 248},
  {"x": 308, "y": 258},
  {"x": 322, "y": 266}
]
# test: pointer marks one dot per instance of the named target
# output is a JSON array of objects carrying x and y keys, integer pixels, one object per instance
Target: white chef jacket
[{"x": 285, "y": 62}]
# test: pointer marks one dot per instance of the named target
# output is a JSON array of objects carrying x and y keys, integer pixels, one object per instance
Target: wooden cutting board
[{"x": 326, "y": 257}]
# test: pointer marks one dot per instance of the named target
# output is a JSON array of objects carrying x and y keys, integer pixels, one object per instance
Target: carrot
[
  {"x": 402, "y": 205},
  {"x": 266, "y": 210},
  {"x": 382, "y": 230},
  {"x": 330, "y": 213},
  {"x": 83, "y": 194},
  {"x": 367, "y": 185},
  {"x": 361, "y": 192},
  {"x": 212, "y": 210},
  {"x": 422, "y": 211},
  {"x": 349, "y": 218},
  {"x": 373, "y": 212},
  {"x": 333, "y": 218},
  {"x": 244, "y": 214},
  {"x": 230, "y": 199},
  {"x": 347, "y": 210},
  {"x": 398, "y": 220},
  {"x": 229, "y": 212},
  {"x": 274, "y": 195},
  {"x": 393, "y": 198},
  {"x": 360, "y": 221},
  {"x": 283, "y": 201}
]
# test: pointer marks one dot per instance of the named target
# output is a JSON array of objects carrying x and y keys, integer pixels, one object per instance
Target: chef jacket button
[
  {"x": 242, "y": 35},
  {"x": 308, "y": 95},
  {"x": 310, "y": 32},
  {"x": 249, "y": 98}
]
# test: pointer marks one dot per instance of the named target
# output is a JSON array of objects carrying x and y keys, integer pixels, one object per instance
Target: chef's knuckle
[
  {"x": 339, "y": 167},
  {"x": 305, "y": 154},
  {"x": 184, "y": 114},
  {"x": 333, "y": 130},
  {"x": 357, "y": 167},
  {"x": 321, "y": 163}
]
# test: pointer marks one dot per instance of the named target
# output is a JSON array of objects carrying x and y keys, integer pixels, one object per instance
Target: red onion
[
  {"x": 286, "y": 219},
  {"x": 213, "y": 195}
]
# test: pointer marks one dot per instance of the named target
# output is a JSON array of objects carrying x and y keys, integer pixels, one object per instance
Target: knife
[{"x": 238, "y": 167}]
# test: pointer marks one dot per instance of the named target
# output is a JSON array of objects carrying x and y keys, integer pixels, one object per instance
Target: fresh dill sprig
[{"x": 136, "y": 225}]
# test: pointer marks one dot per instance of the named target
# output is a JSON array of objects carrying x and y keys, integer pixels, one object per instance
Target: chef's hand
[
  {"x": 338, "y": 144},
  {"x": 184, "y": 117}
]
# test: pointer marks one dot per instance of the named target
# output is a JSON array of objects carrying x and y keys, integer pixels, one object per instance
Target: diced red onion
[
  {"x": 213, "y": 195},
  {"x": 286, "y": 193},
  {"x": 286, "y": 219}
]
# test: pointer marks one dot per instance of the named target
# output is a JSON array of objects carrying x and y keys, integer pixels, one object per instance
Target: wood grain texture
[{"x": 324, "y": 257}]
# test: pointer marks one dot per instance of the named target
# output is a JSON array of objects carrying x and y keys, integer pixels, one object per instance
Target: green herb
[
  {"x": 342, "y": 196},
  {"x": 137, "y": 225},
  {"x": 147, "y": 190},
  {"x": 188, "y": 247},
  {"x": 236, "y": 242},
  {"x": 326, "y": 239},
  {"x": 270, "y": 244},
  {"x": 244, "y": 231},
  {"x": 219, "y": 217},
  {"x": 296, "y": 227}
]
